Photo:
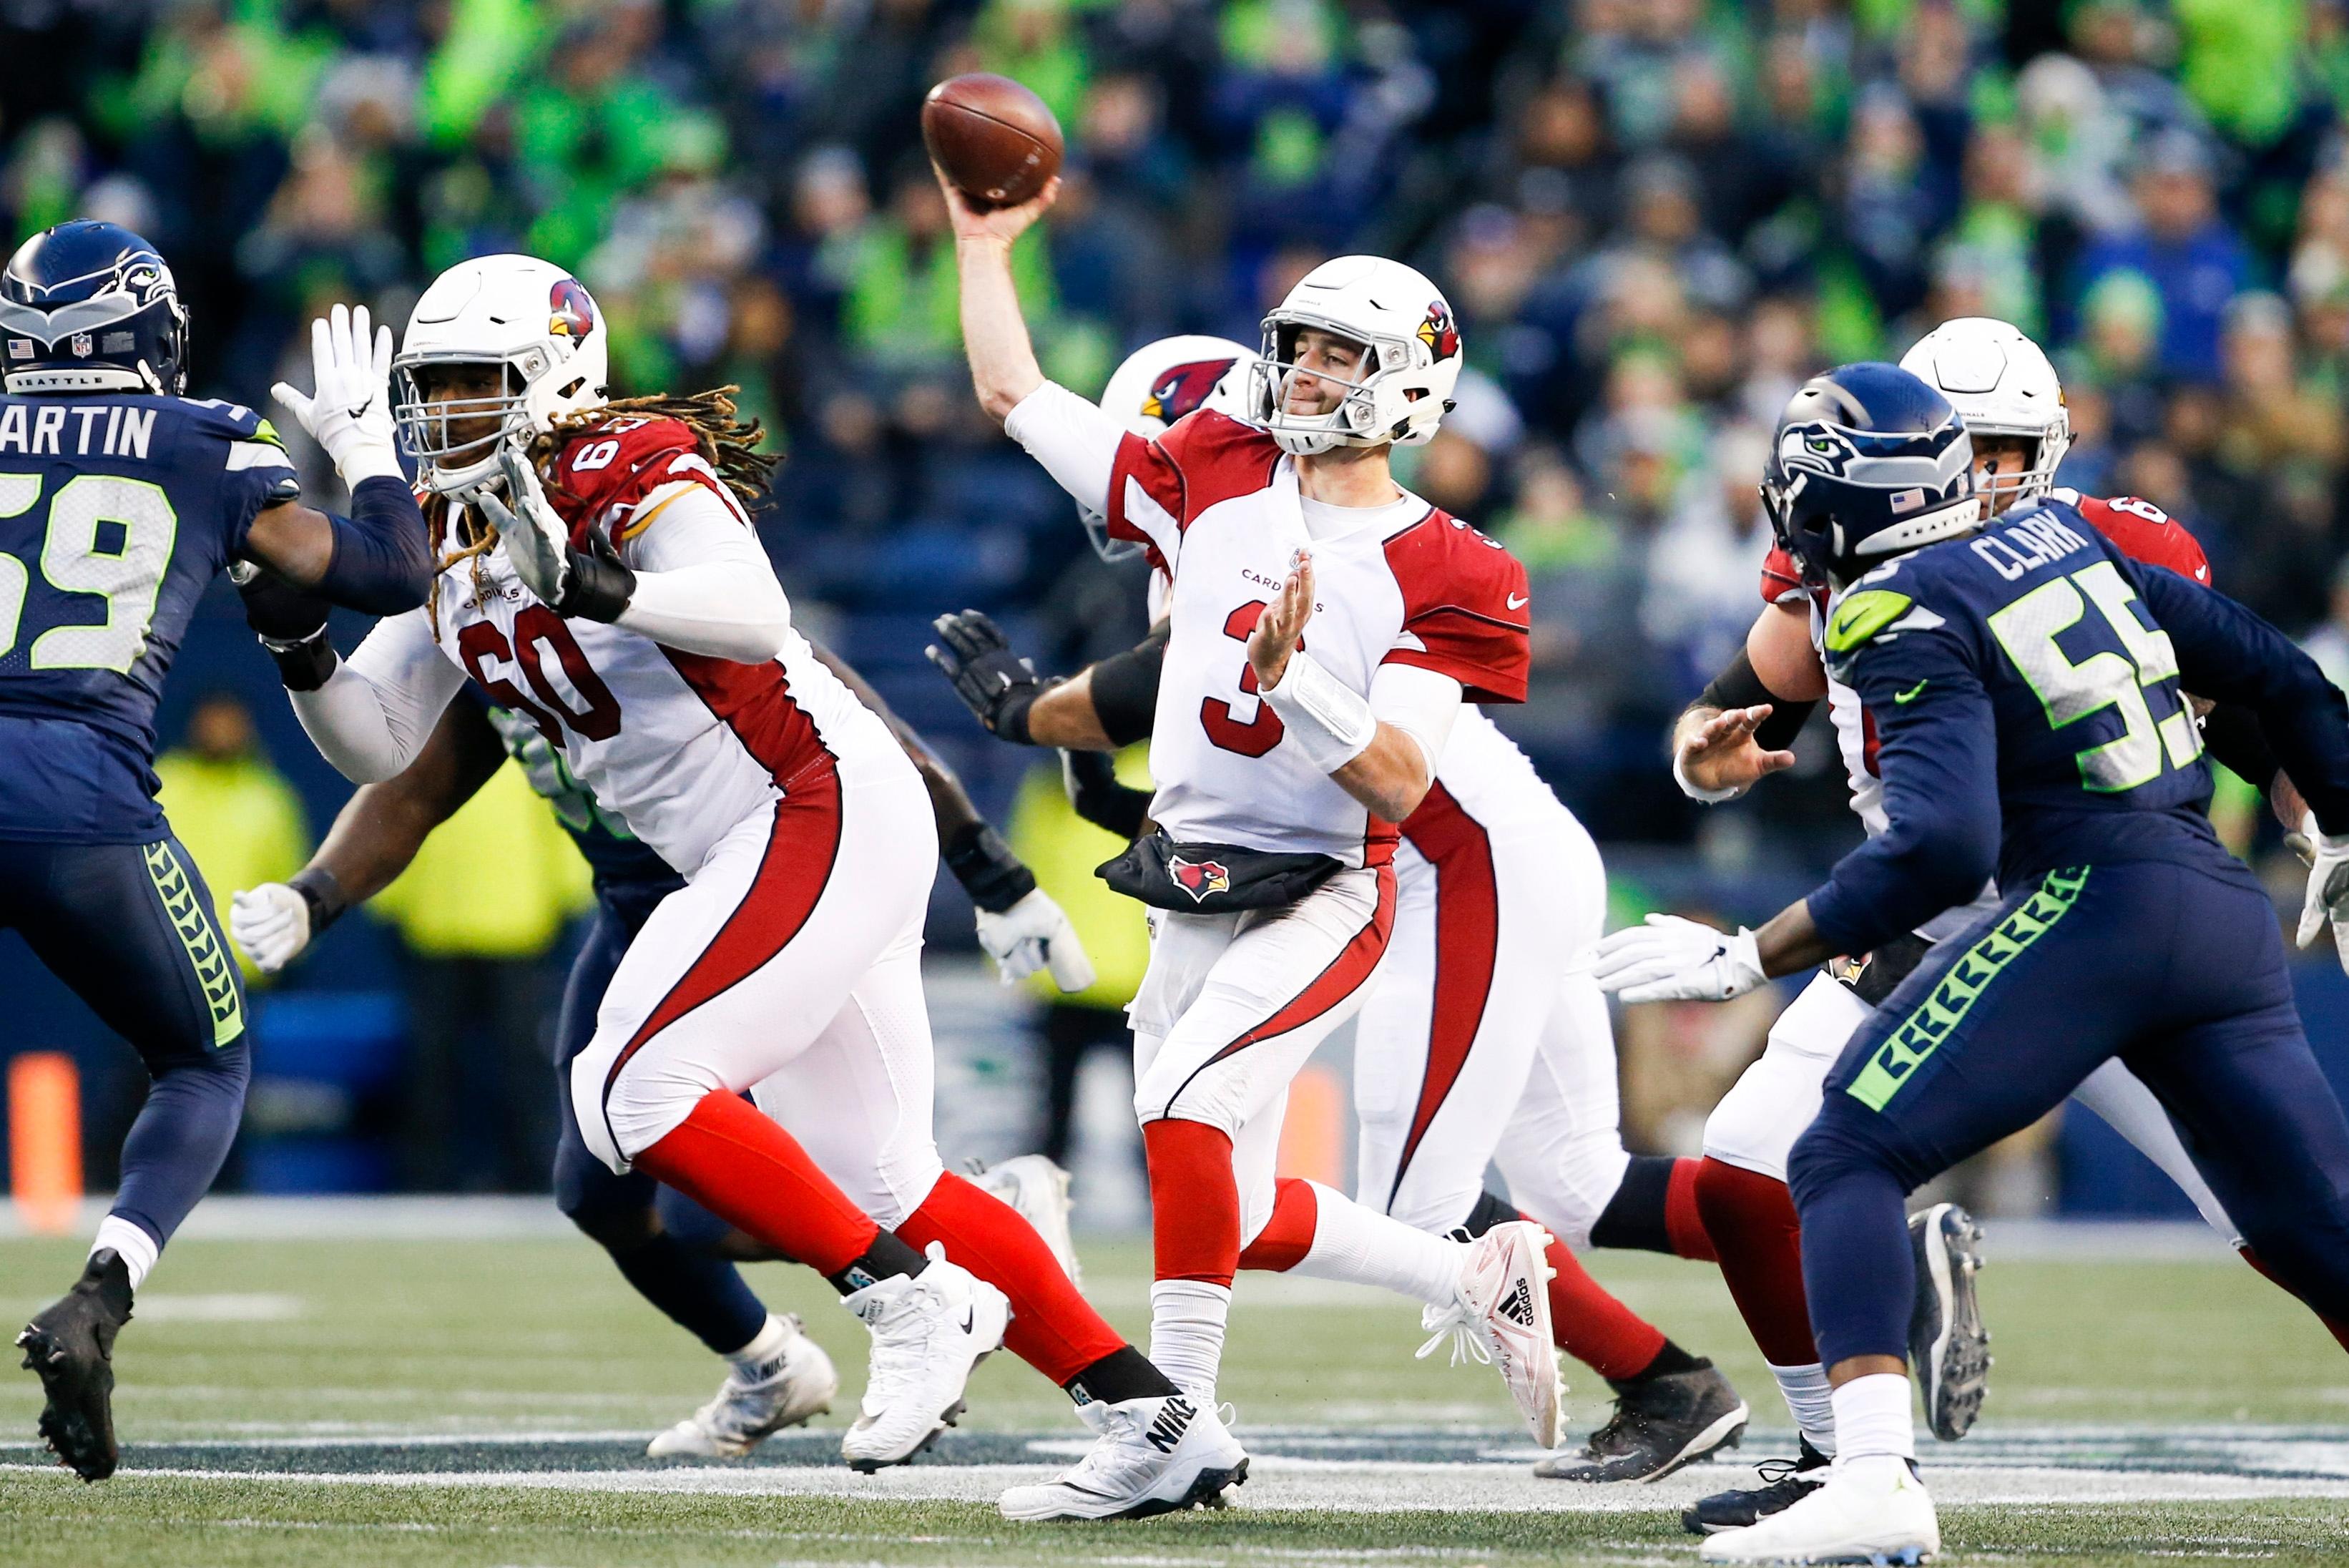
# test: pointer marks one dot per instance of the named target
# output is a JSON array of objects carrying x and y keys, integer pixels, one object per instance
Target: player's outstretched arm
[
  {"x": 374, "y": 838},
  {"x": 371, "y": 713},
  {"x": 378, "y": 559},
  {"x": 1003, "y": 368},
  {"x": 1737, "y": 730}
]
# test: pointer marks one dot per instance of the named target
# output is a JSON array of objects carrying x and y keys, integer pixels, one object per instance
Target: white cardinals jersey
[
  {"x": 681, "y": 746},
  {"x": 1216, "y": 503}
]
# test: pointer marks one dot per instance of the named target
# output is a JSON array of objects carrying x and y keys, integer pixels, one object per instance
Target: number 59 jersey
[{"x": 116, "y": 510}]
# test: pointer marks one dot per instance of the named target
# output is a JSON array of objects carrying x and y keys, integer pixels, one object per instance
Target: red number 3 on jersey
[{"x": 1261, "y": 733}]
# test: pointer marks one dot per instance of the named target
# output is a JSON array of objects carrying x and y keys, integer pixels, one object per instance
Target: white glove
[
  {"x": 271, "y": 923},
  {"x": 350, "y": 413},
  {"x": 536, "y": 541},
  {"x": 2328, "y": 888},
  {"x": 1034, "y": 934},
  {"x": 1673, "y": 960}
]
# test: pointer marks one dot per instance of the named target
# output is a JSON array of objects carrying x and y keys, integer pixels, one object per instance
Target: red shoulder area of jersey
[
  {"x": 603, "y": 471},
  {"x": 2144, "y": 532},
  {"x": 1465, "y": 607},
  {"x": 1204, "y": 458}
]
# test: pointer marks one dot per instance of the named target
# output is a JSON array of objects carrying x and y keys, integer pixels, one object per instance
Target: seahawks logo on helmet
[
  {"x": 572, "y": 313},
  {"x": 1183, "y": 389},
  {"x": 1438, "y": 332},
  {"x": 1817, "y": 449}
]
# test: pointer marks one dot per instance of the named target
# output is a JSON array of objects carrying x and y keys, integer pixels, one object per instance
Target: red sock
[
  {"x": 1683, "y": 1221},
  {"x": 1194, "y": 1202},
  {"x": 1053, "y": 1329},
  {"x": 1751, "y": 1219},
  {"x": 747, "y": 1171},
  {"x": 1591, "y": 1325},
  {"x": 2339, "y": 1332},
  {"x": 1287, "y": 1236}
]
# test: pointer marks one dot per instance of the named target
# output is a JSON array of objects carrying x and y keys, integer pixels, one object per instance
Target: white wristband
[
  {"x": 363, "y": 459},
  {"x": 1332, "y": 722},
  {"x": 1695, "y": 793}
]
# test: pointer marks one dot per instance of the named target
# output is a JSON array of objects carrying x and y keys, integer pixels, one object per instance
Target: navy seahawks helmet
[
  {"x": 90, "y": 307},
  {"x": 1868, "y": 462}
]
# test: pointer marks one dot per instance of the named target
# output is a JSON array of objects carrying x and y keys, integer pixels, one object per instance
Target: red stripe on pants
[{"x": 1467, "y": 942}]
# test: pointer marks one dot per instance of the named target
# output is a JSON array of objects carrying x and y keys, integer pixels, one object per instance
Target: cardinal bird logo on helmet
[
  {"x": 1182, "y": 388},
  {"x": 1198, "y": 877},
  {"x": 572, "y": 314},
  {"x": 1442, "y": 337}
]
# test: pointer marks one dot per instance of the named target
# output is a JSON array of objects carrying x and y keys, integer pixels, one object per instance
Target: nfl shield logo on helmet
[
  {"x": 83, "y": 347},
  {"x": 572, "y": 314},
  {"x": 1198, "y": 877}
]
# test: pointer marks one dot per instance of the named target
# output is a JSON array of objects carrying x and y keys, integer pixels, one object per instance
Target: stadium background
[{"x": 1651, "y": 216}]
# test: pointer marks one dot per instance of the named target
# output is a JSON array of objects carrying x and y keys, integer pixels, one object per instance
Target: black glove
[
  {"x": 1091, "y": 779},
  {"x": 599, "y": 585},
  {"x": 994, "y": 683},
  {"x": 291, "y": 623}
]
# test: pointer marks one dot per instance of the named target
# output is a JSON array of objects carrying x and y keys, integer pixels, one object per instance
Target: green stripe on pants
[
  {"x": 185, "y": 906},
  {"x": 1922, "y": 1031}
]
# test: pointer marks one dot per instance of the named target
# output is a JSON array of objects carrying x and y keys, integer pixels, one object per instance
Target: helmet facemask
[
  {"x": 456, "y": 440},
  {"x": 2046, "y": 446},
  {"x": 1377, "y": 408}
]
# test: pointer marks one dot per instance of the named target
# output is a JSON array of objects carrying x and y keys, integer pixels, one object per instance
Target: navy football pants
[
  {"x": 662, "y": 1241},
  {"x": 2179, "y": 970},
  {"x": 130, "y": 928}
]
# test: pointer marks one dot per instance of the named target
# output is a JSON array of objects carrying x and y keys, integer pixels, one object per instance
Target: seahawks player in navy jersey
[
  {"x": 2023, "y": 680},
  {"x": 677, "y": 1254},
  {"x": 120, "y": 499}
]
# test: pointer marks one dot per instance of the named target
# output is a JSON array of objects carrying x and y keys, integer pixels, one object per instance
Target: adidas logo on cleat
[
  {"x": 1519, "y": 1308},
  {"x": 1174, "y": 1419}
]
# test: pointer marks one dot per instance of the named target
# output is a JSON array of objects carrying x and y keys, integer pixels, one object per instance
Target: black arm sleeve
[
  {"x": 1126, "y": 689},
  {"x": 1739, "y": 687},
  {"x": 2233, "y": 735}
]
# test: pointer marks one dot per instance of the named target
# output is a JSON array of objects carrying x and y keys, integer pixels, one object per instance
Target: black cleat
[
  {"x": 71, "y": 1345},
  {"x": 1659, "y": 1424},
  {"x": 1949, "y": 1349},
  {"x": 1785, "y": 1482}
]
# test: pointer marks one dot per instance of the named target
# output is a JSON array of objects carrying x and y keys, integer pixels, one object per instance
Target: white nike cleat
[
  {"x": 1501, "y": 1316},
  {"x": 1948, "y": 1346},
  {"x": 1038, "y": 1190},
  {"x": 1869, "y": 1510},
  {"x": 1154, "y": 1456},
  {"x": 928, "y": 1331},
  {"x": 755, "y": 1402}
]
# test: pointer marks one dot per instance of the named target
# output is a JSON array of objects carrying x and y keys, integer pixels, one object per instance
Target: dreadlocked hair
[
  {"x": 725, "y": 440},
  {"x": 473, "y": 539}
]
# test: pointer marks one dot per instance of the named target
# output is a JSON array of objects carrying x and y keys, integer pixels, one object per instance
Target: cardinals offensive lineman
[
  {"x": 1324, "y": 626},
  {"x": 600, "y": 578},
  {"x": 2003, "y": 385},
  {"x": 1471, "y": 1046}
]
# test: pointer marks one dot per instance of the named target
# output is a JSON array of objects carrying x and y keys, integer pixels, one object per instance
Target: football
[{"x": 995, "y": 139}]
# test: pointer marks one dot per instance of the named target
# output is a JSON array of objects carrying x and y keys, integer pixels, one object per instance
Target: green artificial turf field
[{"x": 486, "y": 1402}]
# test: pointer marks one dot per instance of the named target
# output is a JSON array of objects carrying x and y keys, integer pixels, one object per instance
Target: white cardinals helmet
[
  {"x": 528, "y": 315},
  {"x": 2001, "y": 383},
  {"x": 1159, "y": 383},
  {"x": 1406, "y": 383}
]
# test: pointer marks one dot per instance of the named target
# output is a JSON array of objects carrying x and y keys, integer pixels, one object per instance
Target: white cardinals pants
[
  {"x": 1474, "y": 1044},
  {"x": 788, "y": 967},
  {"x": 1757, "y": 1124},
  {"x": 1232, "y": 1005}
]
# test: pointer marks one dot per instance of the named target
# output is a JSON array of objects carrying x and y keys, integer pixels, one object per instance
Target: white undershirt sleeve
[
  {"x": 1420, "y": 702},
  {"x": 375, "y": 712},
  {"x": 704, "y": 584},
  {"x": 1076, "y": 442}
]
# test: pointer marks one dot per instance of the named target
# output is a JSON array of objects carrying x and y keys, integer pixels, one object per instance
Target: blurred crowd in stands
[{"x": 1652, "y": 218}]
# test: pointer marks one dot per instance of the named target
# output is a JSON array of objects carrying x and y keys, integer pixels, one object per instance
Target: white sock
[
  {"x": 1364, "y": 1247},
  {"x": 1812, "y": 1402},
  {"x": 137, "y": 1249},
  {"x": 764, "y": 1346},
  {"x": 1873, "y": 1428},
  {"x": 1186, "y": 1334}
]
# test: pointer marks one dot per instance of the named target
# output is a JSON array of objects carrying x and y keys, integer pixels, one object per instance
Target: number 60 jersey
[{"x": 116, "y": 510}]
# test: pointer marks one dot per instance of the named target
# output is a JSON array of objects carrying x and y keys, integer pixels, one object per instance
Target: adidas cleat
[
  {"x": 71, "y": 1344},
  {"x": 1154, "y": 1456},
  {"x": 788, "y": 1388},
  {"x": 928, "y": 1331},
  {"x": 1872, "y": 1512},
  {"x": 1500, "y": 1316},
  {"x": 1785, "y": 1482},
  {"x": 1039, "y": 1190},
  {"x": 1659, "y": 1424},
  {"x": 1948, "y": 1347}
]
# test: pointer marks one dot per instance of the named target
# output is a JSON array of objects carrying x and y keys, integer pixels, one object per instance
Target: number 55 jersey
[{"x": 115, "y": 512}]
